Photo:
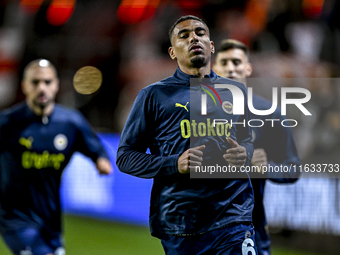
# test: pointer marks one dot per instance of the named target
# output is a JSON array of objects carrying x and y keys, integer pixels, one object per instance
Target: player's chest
[
  {"x": 53, "y": 138},
  {"x": 195, "y": 102}
]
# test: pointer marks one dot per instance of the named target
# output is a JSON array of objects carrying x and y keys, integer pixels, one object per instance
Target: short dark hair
[
  {"x": 229, "y": 44},
  {"x": 184, "y": 18}
]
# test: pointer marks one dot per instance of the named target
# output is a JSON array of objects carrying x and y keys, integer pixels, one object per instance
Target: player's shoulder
[
  {"x": 68, "y": 114},
  {"x": 261, "y": 103},
  {"x": 153, "y": 87},
  {"x": 17, "y": 111},
  {"x": 162, "y": 88},
  {"x": 163, "y": 84},
  {"x": 222, "y": 80},
  {"x": 58, "y": 108}
]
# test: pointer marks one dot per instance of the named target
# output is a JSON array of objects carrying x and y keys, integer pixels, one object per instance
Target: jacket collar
[{"x": 185, "y": 78}]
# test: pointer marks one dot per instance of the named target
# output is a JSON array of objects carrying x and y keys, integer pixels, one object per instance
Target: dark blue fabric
[
  {"x": 37, "y": 241},
  {"x": 279, "y": 145},
  {"x": 32, "y": 158},
  {"x": 229, "y": 240},
  {"x": 180, "y": 204}
]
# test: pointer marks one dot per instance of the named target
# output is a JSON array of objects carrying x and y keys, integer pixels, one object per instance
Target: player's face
[
  {"x": 233, "y": 64},
  {"x": 40, "y": 86},
  {"x": 191, "y": 44}
]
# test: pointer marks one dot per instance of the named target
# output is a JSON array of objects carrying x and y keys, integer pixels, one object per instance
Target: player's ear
[
  {"x": 57, "y": 81},
  {"x": 23, "y": 87},
  {"x": 172, "y": 52},
  {"x": 249, "y": 69},
  {"x": 212, "y": 47}
]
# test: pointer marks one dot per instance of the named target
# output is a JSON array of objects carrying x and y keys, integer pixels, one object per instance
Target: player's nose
[
  {"x": 229, "y": 67},
  {"x": 41, "y": 86},
  {"x": 193, "y": 37}
]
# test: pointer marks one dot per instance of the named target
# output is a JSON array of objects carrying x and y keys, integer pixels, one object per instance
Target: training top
[
  {"x": 279, "y": 145},
  {"x": 166, "y": 118},
  {"x": 33, "y": 154}
]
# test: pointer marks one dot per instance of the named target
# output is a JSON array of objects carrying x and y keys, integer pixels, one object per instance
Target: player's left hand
[
  {"x": 104, "y": 166},
  {"x": 237, "y": 155},
  {"x": 259, "y": 159}
]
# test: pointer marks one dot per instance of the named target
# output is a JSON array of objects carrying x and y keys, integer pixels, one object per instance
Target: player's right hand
[
  {"x": 103, "y": 166},
  {"x": 190, "y": 159}
]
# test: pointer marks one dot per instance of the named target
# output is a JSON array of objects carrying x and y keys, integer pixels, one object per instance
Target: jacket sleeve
[
  {"x": 136, "y": 138},
  {"x": 244, "y": 134},
  {"x": 88, "y": 142},
  {"x": 283, "y": 154}
]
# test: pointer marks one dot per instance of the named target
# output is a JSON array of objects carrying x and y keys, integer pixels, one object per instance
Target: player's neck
[
  {"x": 200, "y": 72},
  {"x": 42, "y": 111}
]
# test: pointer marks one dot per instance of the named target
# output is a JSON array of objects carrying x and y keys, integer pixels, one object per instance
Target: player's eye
[
  {"x": 236, "y": 62},
  {"x": 183, "y": 35},
  {"x": 200, "y": 32},
  {"x": 48, "y": 82},
  {"x": 35, "y": 82}
]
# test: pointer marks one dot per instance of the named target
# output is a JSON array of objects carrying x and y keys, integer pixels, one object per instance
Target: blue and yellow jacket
[
  {"x": 33, "y": 154},
  {"x": 279, "y": 145},
  {"x": 166, "y": 118}
]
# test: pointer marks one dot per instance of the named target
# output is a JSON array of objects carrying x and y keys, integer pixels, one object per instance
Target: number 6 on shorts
[{"x": 246, "y": 249}]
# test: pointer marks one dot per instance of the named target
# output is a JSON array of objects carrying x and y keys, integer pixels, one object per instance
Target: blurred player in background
[
  {"x": 272, "y": 145},
  {"x": 37, "y": 140},
  {"x": 190, "y": 216}
]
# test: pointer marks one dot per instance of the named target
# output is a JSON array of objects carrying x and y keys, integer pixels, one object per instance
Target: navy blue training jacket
[
  {"x": 33, "y": 155},
  {"x": 279, "y": 145},
  {"x": 159, "y": 121}
]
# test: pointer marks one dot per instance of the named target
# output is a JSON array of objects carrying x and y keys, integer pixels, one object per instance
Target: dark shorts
[
  {"x": 31, "y": 240},
  {"x": 263, "y": 250},
  {"x": 262, "y": 240},
  {"x": 235, "y": 239}
]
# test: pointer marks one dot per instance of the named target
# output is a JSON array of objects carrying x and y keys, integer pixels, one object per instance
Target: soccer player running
[
  {"x": 37, "y": 140},
  {"x": 189, "y": 215},
  {"x": 272, "y": 145}
]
